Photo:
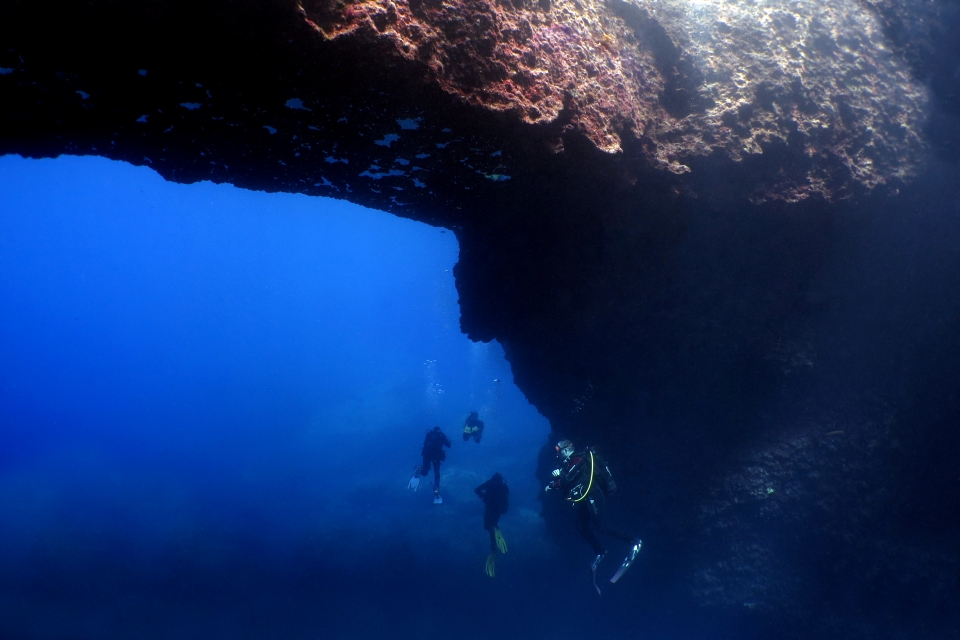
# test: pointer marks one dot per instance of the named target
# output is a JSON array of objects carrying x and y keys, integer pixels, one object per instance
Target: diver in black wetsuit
[
  {"x": 473, "y": 427},
  {"x": 433, "y": 454},
  {"x": 585, "y": 480},
  {"x": 496, "y": 498}
]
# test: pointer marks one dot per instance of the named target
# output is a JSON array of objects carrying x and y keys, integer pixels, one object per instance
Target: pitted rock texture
[
  {"x": 813, "y": 89},
  {"x": 817, "y": 80},
  {"x": 530, "y": 59}
]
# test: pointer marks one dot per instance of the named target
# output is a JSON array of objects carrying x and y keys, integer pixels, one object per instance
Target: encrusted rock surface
[
  {"x": 785, "y": 99},
  {"x": 812, "y": 88}
]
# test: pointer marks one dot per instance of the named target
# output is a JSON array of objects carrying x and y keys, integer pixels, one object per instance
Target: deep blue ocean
[{"x": 211, "y": 401}]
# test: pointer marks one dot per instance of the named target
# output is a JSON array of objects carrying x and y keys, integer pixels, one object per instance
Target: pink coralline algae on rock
[
  {"x": 811, "y": 88},
  {"x": 530, "y": 60}
]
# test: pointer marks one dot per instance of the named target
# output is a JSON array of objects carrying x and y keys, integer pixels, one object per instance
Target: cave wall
[{"x": 752, "y": 314}]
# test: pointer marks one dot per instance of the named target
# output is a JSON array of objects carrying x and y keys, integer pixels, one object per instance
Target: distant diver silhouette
[
  {"x": 473, "y": 427},
  {"x": 496, "y": 499},
  {"x": 433, "y": 454}
]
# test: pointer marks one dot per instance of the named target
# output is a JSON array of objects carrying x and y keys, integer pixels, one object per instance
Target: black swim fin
[
  {"x": 415, "y": 480},
  {"x": 634, "y": 551},
  {"x": 593, "y": 571}
]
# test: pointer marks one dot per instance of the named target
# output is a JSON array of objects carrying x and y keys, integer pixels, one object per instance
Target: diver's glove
[
  {"x": 492, "y": 564},
  {"x": 548, "y": 488},
  {"x": 501, "y": 543},
  {"x": 556, "y": 473}
]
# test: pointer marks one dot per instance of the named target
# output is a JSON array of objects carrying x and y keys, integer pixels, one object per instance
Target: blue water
[{"x": 211, "y": 401}]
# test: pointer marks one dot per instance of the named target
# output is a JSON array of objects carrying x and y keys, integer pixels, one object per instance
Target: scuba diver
[
  {"x": 432, "y": 453},
  {"x": 496, "y": 498},
  {"x": 585, "y": 479},
  {"x": 473, "y": 427}
]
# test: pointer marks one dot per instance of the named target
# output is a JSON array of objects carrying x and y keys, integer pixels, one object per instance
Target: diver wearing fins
[
  {"x": 496, "y": 499},
  {"x": 585, "y": 480},
  {"x": 433, "y": 454},
  {"x": 473, "y": 427}
]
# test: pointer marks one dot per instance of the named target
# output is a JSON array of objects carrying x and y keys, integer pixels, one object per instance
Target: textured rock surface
[
  {"x": 790, "y": 99},
  {"x": 812, "y": 88},
  {"x": 697, "y": 302}
]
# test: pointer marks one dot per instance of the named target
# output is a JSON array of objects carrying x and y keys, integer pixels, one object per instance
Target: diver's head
[
  {"x": 437, "y": 428},
  {"x": 498, "y": 477},
  {"x": 565, "y": 448},
  {"x": 474, "y": 414}
]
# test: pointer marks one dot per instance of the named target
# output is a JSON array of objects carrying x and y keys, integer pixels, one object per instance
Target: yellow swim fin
[
  {"x": 492, "y": 564},
  {"x": 501, "y": 543}
]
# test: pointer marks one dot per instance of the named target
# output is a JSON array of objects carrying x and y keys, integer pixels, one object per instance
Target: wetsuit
[
  {"x": 433, "y": 454},
  {"x": 588, "y": 504},
  {"x": 496, "y": 499}
]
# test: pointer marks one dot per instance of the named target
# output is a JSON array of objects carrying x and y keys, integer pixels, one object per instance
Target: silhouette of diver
[
  {"x": 473, "y": 427},
  {"x": 433, "y": 454},
  {"x": 496, "y": 499}
]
